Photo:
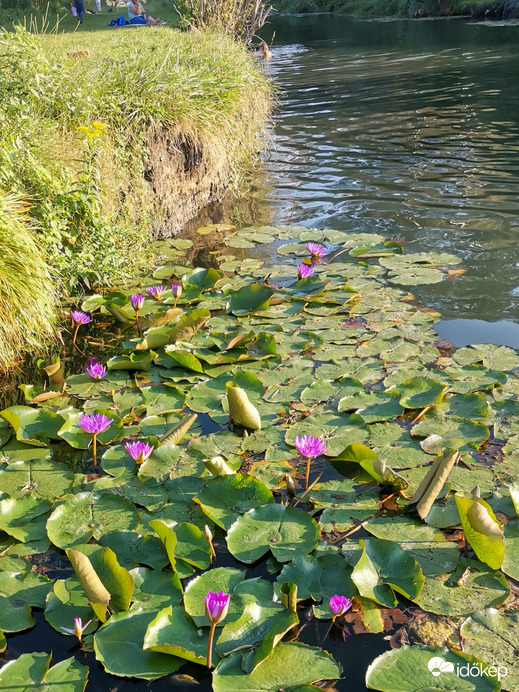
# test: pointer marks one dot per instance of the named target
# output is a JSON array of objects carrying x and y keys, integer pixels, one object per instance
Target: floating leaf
[
  {"x": 383, "y": 568},
  {"x": 286, "y": 531},
  {"x": 19, "y": 591},
  {"x": 88, "y": 515},
  {"x": 241, "y": 410},
  {"x": 293, "y": 663},
  {"x": 249, "y": 298},
  {"x": 173, "y": 632},
  {"x": 29, "y": 671},
  {"x": 482, "y": 530},
  {"x": 223, "y": 499},
  {"x": 33, "y": 426},
  {"x": 119, "y": 647},
  {"x": 408, "y": 670}
]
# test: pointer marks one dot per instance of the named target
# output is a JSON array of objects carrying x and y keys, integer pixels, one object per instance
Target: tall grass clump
[
  {"x": 93, "y": 201},
  {"x": 241, "y": 19},
  {"x": 28, "y": 295},
  {"x": 86, "y": 122}
]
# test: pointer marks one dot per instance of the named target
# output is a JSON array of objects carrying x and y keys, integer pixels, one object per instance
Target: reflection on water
[{"x": 410, "y": 129}]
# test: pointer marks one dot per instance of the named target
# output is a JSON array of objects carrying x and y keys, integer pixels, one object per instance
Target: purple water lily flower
[
  {"x": 80, "y": 317},
  {"x": 316, "y": 250},
  {"x": 339, "y": 605},
  {"x": 304, "y": 271},
  {"x": 94, "y": 423},
  {"x": 78, "y": 628},
  {"x": 137, "y": 301},
  {"x": 310, "y": 446},
  {"x": 139, "y": 451},
  {"x": 176, "y": 290},
  {"x": 155, "y": 292},
  {"x": 216, "y": 606},
  {"x": 96, "y": 370}
]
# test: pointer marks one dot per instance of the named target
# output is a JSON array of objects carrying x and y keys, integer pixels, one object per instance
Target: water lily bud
[
  {"x": 339, "y": 605},
  {"x": 241, "y": 410},
  {"x": 218, "y": 466},
  {"x": 291, "y": 488},
  {"x": 78, "y": 628},
  {"x": 207, "y": 533},
  {"x": 216, "y": 606}
]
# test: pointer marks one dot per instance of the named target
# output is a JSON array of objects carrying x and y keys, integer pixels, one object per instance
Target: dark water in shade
[{"x": 408, "y": 129}]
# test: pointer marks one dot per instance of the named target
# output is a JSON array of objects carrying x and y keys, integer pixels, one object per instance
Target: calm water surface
[{"x": 409, "y": 129}]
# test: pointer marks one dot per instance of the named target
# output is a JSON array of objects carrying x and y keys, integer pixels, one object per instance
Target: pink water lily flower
[
  {"x": 139, "y": 451},
  {"x": 155, "y": 292},
  {"x": 216, "y": 607},
  {"x": 310, "y": 446},
  {"x": 137, "y": 301},
  {"x": 316, "y": 250},
  {"x": 339, "y": 605},
  {"x": 96, "y": 370},
  {"x": 94, "y": 423},
  {"x": 78, "y": 628},
  {"x": 304, "y": 271},
  {"x": 80, "y": 317}
]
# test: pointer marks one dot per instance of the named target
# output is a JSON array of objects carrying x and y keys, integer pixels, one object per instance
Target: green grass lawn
[{"x": 92, "y": 22}]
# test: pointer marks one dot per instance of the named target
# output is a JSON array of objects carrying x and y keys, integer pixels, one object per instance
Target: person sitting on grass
[{"x": 137, "y": 14}]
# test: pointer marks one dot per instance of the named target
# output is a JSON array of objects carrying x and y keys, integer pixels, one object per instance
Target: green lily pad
[
  {"x": 224, "y": 579},
  {"x": 24, "y": 518},
  {"x": 286, "y": 531},
  {"x": 480, "y": 588},
  {"x": 420, "y": 392},
  {"x": 66, "y": 601},
  {"x": 90, "y": 515},
  {"x": 291, "y": 666},
  {"x": 30, "y": 671},
  {"x": 482, "y": 530},
  {"x": 249, "y": 298},
  {"x": 154, "y": 589},
  {"x": 383, "y": 568},
  {"x": 19, "y": 591},
  {"x": 40, "y": 478},
  {"x": 174, "y": 632},
  {"x": 33, "y": 426},
  {"x": 132, "y": 549},
  {"x": 407, "y": 670},
  {"x": 426, "y": 545},
  {"x": 119, "y": 647},
  {"x": 223, "y": 499},
  {"x": 491, "y": 635}
]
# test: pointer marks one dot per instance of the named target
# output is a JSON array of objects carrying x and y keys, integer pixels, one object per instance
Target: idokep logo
[{"x": 438, "y": 666}]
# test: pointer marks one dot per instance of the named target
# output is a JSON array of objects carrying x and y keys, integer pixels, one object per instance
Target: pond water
[{"x": 410, "y": 129}]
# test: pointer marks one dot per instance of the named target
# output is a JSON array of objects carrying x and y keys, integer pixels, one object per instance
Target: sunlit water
[{"x": 409, "y": 129}]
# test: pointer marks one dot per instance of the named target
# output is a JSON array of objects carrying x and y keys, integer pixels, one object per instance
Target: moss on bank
[{"x": 179, "y": 115}]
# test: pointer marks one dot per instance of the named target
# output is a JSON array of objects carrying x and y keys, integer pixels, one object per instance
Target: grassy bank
[
  {"x": 115, "y": 135},
  {"x": 383, "y": 8}
]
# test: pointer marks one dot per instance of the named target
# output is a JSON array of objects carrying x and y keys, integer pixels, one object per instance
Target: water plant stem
[
  {"x": 210, "y": 645},
  {"x": 74, "y": 340},
  {"x": 307, "y": 473},
  {"x": 94, "y": 450}
]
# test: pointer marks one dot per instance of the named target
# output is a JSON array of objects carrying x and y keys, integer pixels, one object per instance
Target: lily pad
[
  {"x": 30, "y": 671},
  {"x": 286, "y": 531},
  {"x": 223, "y": 499},
  {"x": 290, "y": 666},
  {"x": 408, "y": 669},
  {"x": 119, "y": 647},
  {"x": 90, "y": 515}
]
